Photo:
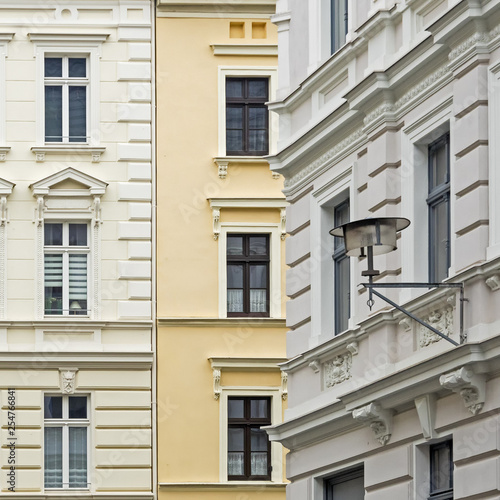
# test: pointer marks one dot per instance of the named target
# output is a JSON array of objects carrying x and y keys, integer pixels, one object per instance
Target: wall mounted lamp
[{"x": 377, "y": 236}]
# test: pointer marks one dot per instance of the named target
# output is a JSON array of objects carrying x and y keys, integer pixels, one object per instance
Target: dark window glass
[
  {"x": 438, "y": 202},
  {"x": 346, "y": 485},
  {"x": 53, "y": 67},
  {"x": 77, "y": 114},
  {"x": 441, "y": 464},
  {"x": 247, "y": 117},
  {"x": 77, "y": 407},
  {"x": 53, "y": 113},
  {"x": 52, "y": 407},
  {"x": 339, "y": 16},
  {"x": 249, "y": 449},
  {"x": 53, "y": 234},
  {"x": 342, "y": 280},
  {"x": 247, "y": 275},
  {"x": 78, "y": 235},
  {"x": 77, "y": 67}
]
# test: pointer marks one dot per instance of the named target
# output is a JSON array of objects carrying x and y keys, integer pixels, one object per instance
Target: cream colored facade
[
  {"x": 204, "y": 195},
  {"x": 95, "y": 345}
]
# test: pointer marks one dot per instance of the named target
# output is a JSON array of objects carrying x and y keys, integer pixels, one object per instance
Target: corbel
[
  {"x": 284, "y": 386},
  {"x": 216, "y": 222},
  {"x": 283, "y": 223},
  {"x": 222, "y": 167},
  {"x": 3, "y": 210},
  {"x": 353, "y": 348},
  {"x": 39, "y": 210},
  {"x": 426, "y": 411},
  {"x": 470, "y": 386},
  {"x": 67, "y": 380},
  {"x": 493, "y": 282},
  {"x": 276, "y": 176},
  {"x": 97, "y": 209},
  {"x": 406, "y": 324},
  {"x": 217, "y": 389},
  {"x": 378, "y": 419},
  {"x": 315, "y": 365}
]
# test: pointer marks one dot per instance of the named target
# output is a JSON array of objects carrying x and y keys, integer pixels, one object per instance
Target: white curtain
[
  {"x": 235, "y": 301},
  {"x": 258, "y": 300},
  {"x": 53, "y": 457},
  {"x": 235, "y": 465},
  {"x": 258, "y": 464},
  {"x": 77, "y": 457}
]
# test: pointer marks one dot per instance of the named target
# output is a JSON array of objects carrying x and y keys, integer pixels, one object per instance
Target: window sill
[
  {"x": 3, "y": 152},
  {"x": 253, "y": 49},
  {"x": 229, "y": 485},
  {"x": 63, "y": 149},
  {"x": 223, "y": 162}
]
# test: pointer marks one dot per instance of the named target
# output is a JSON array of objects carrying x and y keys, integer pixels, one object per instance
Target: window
[
  {"x": 438, "y": 202},
  {"x": 66, "y": 253},
  {"x": 346, "y": 485},
  {"x": 342, "y": 281},
  {"x": 247, "y": 117},
  {"x": 339, "y": 13},
  {"x": 66, "y": 426},
  {"x": 66, "y": 83},
  {"x": 247, "y": 274},
  {"x": 441, "y": 462},
  {"x": 249, "y": 449}
]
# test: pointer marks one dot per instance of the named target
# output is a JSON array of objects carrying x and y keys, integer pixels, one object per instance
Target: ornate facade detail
[
  {"x": 315, "y": 366},
  {"x": 217, "y": 389},
  {"x": 96, "y": 157},
  {"x": 378, "y": 419},
  {"x": 476, "y": 38},
  {"x": 283, "y": 223},
  {"x": 315, "y": 165},
  {"x": 338, "y": 369},
  {"x": 68, "y": 380},
  {"x": 470, "y": 386},
  {"x": 405, "y": 323},
  {"x": 216, "y": 222},
  {"x": 284, "y": 386},
  {"x": 39, "y": 157},
  {"x": 3, "y": 156},
  {"x": 426, "y": 410},
  {"x": 275, "y": 175},
  {"x": 222, "y": 167},
  {"x": 441, "y": 320},
  {"x": 384, "y": 108},
  {"x": 353, "y": 348},
  {"x": 493, "y": 282}
]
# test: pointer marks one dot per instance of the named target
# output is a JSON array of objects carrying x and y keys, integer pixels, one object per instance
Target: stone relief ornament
[
  {"x": 469, "y": 386},
  {"x": 441, "y": 320},
  {"x": 68, "y": 379},
  {"x": 377, "y": 419},
  {"x": 338, "y": 369}
]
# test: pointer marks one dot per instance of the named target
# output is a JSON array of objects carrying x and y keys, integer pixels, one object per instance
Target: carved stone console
[
  {"x": 378, "y": 419},
  {"x": 470, "y": 386}
]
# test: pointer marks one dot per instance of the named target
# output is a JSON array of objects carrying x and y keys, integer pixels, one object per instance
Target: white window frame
[
  {"x": 88, "y": 46},
  {"x": 65, "y": 249},
  {"x": 274, "y": 232},
  {"x": 66, "y": 423},
  {"x": 274, "y": 393},
  {"x": 414, "y": 192},
  {"x": 246, "y": 72}
]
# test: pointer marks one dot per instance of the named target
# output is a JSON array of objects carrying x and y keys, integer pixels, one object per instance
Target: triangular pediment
[
  {"x": 6, "y": 187},
  {"x": 67, "y": 181}
]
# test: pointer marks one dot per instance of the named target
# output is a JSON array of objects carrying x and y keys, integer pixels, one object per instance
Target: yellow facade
[{"x": 204, "y": 357}]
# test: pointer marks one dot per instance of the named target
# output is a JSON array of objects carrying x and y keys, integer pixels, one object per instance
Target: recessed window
[
  {"x": 66, "y": 424},
  {"x": 247, "y": 274},
  {"x": 438, "y": 202},
  {"x": 249, "y": 448},
  {"x": 66, "y": 83},
  {"x": 339, "y": 15},
  {"x": 441, "y": 465},
  {"x": 66, "y": 254},
  {"x": 346, "y": 485},
  {"x": 342, "y": 281},
  {"x": 247, "y": 117}
]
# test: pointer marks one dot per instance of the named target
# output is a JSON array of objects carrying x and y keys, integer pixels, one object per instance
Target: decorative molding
[
  {"x": 317, "y": 164},
  {"x": 246, "y": 364},
  {"x": 217, "y": 389},
  {"x": 426, "y": 411},
  {"x": 275, "y": 175},
  {"x": 41, "y": 151},
  {"x": 68, "y": 380},
  {"x": 283, "y": 223},
  {"x": 353, "y": 348},
  {"x": 223, "y": 162},
  {"x": 244, "y": 50},
  {"x": 475, "y": 39},
  {"x": 315, "y": 365},
  {"x": 441, "y": 320},
  {"x": 284, "y": 386},
  {"x": 378, "y": 419},
  {"x": 216, "y": 222},
  {"x": 406, "y": 324},
  {"x": 3, "y": 152},
  {"x": 470, "y": 387},
  {"x": 222, "y": 168},
  {"x": 493, "y": 282},
  {"x": 337, "y": 370}
]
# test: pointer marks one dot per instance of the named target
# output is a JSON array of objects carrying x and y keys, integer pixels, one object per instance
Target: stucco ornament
[
  {"x": 441, "y": 320},
  {"x": 68, "y": 380},
  {"x": 378, "y": 419},
  {"x": 469, "y": 386},
  {"x": 217, "y": 388},
  {"x": 338, "y": 369}
]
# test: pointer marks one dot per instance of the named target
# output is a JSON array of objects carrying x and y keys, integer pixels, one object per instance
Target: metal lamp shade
[{"x": 378, "y": 233}]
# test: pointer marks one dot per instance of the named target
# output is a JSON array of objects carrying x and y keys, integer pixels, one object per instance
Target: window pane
[
  {"x": 257, "y": 118},
  {"x": 77, "y": 407},
  {"x": 235, "y": 276},
  {"x": 234, "y": 118},
  {"x": 258, "y": 245},
  {"x": 53, "y": 114},
  {"x": 257, "y": 140},
  {"x": 53, "y": 457},
  {"x": 352, "y": 489},
  {"x": 439, "y": 240},
  {"x": 235, "y": 464},
  {"x": 78, "y": 235},
  {"x": 53, "y": 234},
  {"x": 53, "y": 283},
  {"x": 439, "y": 163},
  {"x": 258, "y": 276},
  {"x": 235, "y": 245},
  {"x": 236, "y": 408},
  {"x": 441, "y": 470},
  {"x": 234, "y": 140},
  {"x": 77, "y": 457},
  {"x": 258, "y": 464},
  {"x": 342, "y": 294},
  {"x": 258, "y": 408},
  {"x": 235, "y": 301},
  {"x": 77, "y": 114},
  {"x": 258, "y": 301},
  {"x": 258, "y": 440},
  {"x": 234, "y": 87},
  {"x": 78, "y": 284},
  {"x": 236, "y": 439},
  {"x": 52, "y": 407},
  {"x": 53, "y": 67},
  {"x": 77, "y": 67},
  {"x": 258, "y": 88}
]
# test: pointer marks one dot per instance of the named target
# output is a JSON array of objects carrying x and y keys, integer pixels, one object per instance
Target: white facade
[
  {"x": 401, "y": 120},
  {"x": 75, "y": 249}
]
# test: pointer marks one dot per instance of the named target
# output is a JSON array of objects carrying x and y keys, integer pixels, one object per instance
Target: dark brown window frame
[
  {"x": 248, "y": 423},
  {"x": 245, "y": 103},
  {"x": 247, "y": 260},
  {"x": 444, "y": 493}
]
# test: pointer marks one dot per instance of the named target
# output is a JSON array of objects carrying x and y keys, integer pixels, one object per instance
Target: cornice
[
  {"x": 84, "y": 495},
  {"x": 244, "y": 49},
  {"x": 232, "y": 486},
  {"x": 218, "y": 7},
  {"x": 75, "y": 324},
  {"x": 223, "y": 322}
]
